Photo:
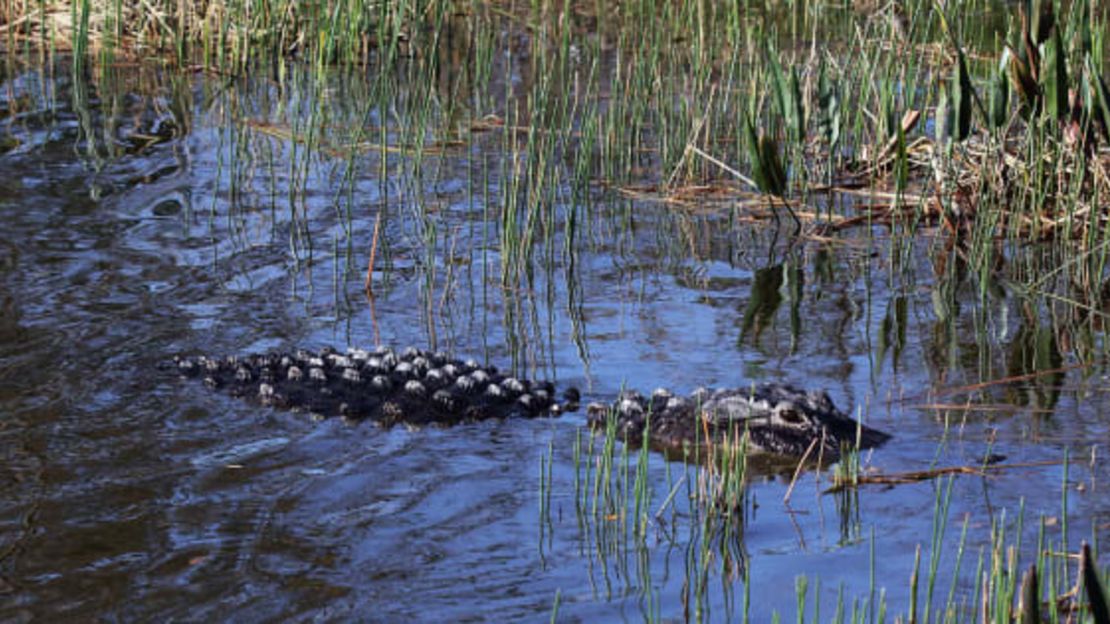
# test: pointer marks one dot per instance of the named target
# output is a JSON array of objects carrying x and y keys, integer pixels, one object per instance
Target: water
[{"x": 130, "y": 494}]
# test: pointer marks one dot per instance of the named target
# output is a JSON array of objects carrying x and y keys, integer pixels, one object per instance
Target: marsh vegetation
[{"x": 902, "y": 203}]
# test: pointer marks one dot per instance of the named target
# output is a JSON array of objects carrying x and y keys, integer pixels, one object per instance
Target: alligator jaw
[{"x": 778, "y": 420}]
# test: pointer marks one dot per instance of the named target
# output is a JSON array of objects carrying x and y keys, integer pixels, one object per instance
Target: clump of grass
[
  {"x": 228, "y": 35},
  {"x": 616, "y": 503}
]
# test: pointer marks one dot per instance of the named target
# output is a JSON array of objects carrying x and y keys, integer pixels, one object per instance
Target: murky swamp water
[{"x": 129, "y": 494}]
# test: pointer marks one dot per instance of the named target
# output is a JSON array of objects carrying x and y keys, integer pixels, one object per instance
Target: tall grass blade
[
  {"x": 1055, "y": 78},
  {"x": 828, "y": 105},
  {"x": 788, "y": 97},
  {"x": 942, "y": 125},
  {"x": 767, "y": 168},
  {"x": 1023, "y": 77},
  {"x": 1043, "y": 19},
  {"x": 1100, "y": 612},
  {"x": 1030, "y": 597},
  {"x": 1100, "y": 108},
  {"x": 1000, "y": 93},
  {"x": 962, "y": 97}
]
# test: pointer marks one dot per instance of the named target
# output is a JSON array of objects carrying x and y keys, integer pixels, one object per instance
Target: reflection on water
[{"x": 149, "y": 213}]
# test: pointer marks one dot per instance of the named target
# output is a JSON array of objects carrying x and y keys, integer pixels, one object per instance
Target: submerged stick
[{"x": 915, "y": 476}]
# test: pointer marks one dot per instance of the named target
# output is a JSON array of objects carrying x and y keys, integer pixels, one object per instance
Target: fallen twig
[{"x": 916, "y": 476}]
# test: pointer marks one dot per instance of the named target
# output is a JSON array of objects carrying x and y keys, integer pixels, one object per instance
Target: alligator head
[{"x": 778, "y": 419}]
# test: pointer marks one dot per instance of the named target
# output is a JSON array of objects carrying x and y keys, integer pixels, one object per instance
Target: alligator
[{"x": 419, "y": 387}]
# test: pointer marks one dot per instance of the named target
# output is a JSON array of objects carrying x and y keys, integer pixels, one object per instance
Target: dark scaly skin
[
  {"x": 779, "y": 419},
  {"x": 414, "y": 387},
  {"x": 419, "y": 388}
]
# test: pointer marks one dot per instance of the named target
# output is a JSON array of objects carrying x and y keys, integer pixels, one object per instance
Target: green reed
[
  {"x": 623, "y": 507},
  {"x": 80, "y": 15}
]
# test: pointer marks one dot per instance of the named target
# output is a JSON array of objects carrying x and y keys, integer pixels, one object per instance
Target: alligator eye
[{"x": 791, "y": 416}]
